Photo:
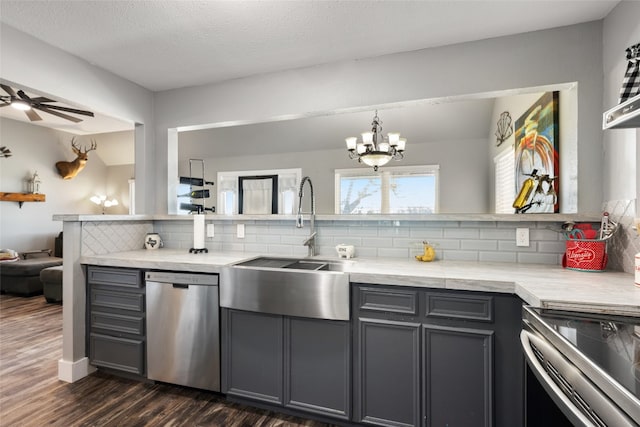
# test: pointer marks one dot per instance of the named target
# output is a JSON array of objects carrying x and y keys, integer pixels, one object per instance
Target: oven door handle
[{"x": 565, "y": 404}]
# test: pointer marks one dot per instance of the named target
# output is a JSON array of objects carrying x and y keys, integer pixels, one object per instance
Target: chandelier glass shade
[{"x": 375, "y": 149}]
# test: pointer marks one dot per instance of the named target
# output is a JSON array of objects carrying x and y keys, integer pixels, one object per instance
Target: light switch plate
[
  {"x": 522, "y": 237},
  {"x": 210, "y": 230},
  {"x": 240, "y": 231}
]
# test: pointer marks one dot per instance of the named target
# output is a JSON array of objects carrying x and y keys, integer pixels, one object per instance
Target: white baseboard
[{"x": 73, "y": 371}]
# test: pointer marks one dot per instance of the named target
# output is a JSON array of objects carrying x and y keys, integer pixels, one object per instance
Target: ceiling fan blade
[
  {"x": 24, "y": 96},
  {"x": 68, "y": 110},
  {"x": 46, "y": 109},
  {"x": 33, "y": 116},
  {"x": 42, "y": 99},
  {"x": 8, "y": 90}
]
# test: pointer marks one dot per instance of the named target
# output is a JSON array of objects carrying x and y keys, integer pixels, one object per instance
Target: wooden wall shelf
[{"x": 21, "y": 197}]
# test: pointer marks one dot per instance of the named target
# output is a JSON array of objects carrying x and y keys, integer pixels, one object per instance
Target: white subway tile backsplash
[
  {"x": 497, "y": 257},
  {"x": 453, "y": 240},
  {"x": 461, "y": 233},
  {"x": 498, "y": 234},
  {"x": 426, "y": 233},
  {"x": 551, "y": 247},
  {"x": 480, "y": 245},
  {"x": 393, "y": 232},
  {"x": 460, "y": 255},
  {"x": 538, "y": 258},
  {"x": 393, "y": 252}
]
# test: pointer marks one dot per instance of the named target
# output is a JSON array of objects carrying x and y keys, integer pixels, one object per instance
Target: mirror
[{"x": 456, "y": 133}]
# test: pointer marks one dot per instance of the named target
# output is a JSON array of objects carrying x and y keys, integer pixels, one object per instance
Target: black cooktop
[{"x": 611, "y": 342}]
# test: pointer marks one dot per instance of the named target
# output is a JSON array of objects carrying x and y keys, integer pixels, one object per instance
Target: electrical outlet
[
  {"x": 210, "y": 230},
  {"x": 240, "y": 231},
  {"x": 522, "y": 237}
]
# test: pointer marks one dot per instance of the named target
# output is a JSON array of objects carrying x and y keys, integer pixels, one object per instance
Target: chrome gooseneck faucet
[{"x": 311, "y": 240}]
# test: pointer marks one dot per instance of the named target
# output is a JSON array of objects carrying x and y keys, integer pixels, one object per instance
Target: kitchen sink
[
  {"x": 297, "y": 263},
  {"x": 302, "y": 287}
]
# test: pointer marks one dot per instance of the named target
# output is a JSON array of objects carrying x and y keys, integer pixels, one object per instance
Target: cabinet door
[
  {"x": 118, "y": 353},
  {"x": 317, "y": 366},
  {"x": 387, "y": 373},
  {"x": 458, "y": 376},
  {"x": 252, "y": 355}
]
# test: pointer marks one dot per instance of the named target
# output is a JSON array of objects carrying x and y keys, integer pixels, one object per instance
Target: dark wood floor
[{"x": 32, "y": 395}]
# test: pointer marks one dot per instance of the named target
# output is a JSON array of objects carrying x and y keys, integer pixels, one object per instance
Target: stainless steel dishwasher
[{"x": 183, "y": 329}]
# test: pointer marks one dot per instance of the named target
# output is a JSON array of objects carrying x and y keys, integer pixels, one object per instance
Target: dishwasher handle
[{"x": 181, "y": 278}]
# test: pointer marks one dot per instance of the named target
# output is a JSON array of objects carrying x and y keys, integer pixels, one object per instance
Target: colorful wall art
[{"x": 537, "y": 157}]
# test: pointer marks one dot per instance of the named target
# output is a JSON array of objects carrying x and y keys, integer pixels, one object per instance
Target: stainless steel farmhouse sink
[{"x": 303, "y": 287}]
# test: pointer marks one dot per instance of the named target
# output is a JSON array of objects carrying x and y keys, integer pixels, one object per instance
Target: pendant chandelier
[{"x": 376, "y": 149}]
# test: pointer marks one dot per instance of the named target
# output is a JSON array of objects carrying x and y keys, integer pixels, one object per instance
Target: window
[
  {"x": 283, "y": 181},
  {"x": 392, "y": 190},
  {"x": 504, "y": 166}
]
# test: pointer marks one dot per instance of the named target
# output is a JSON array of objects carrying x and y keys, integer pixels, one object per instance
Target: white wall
[
  {"x": 33, "y": 64},
  {"x": 552, "y": 56},
  {"x": 620, "y": 156},
  {"x": 35, "y": 148},
  {"x": 117, "y": 185}
]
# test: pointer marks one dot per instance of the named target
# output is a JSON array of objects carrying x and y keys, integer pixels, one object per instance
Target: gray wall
[
  {"x": 34, "y": 64},
  {"x": 457, "y": 159},
  {"x": 563, "y": 55},
  {"x": 621, "y": 147},
  {"x": 35, "y": 148}
]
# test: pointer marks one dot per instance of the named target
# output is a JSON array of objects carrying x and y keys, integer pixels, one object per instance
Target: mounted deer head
[{"x": 69, "y": 170}]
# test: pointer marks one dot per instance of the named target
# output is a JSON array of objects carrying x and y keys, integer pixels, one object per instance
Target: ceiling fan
[{"x": 22, "y": 101}]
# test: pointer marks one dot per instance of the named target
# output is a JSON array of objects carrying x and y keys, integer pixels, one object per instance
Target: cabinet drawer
[
  {"x": 117, "y": 300},
  {"x": 470, "y": 307},
  {"x": 121, "y": 277},
  {"x": 117, "y": 322},
  {"x": 388, "y": 300},
  {"x": 117, "y": 353}
]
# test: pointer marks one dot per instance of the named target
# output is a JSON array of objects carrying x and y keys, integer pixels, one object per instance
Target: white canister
[
  {"x": 346, "y": 251},
  {"x": 152, "y": 241},
  {"x": 637, "y": 269}
]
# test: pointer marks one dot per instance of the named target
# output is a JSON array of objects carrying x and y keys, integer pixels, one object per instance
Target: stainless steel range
[{"x": 589, "y": 364}]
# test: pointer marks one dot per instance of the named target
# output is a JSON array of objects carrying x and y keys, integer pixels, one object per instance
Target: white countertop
[{"x": 538, "y": 285}]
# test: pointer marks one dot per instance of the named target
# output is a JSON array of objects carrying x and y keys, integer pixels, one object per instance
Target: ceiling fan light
[{"x": 20, "y": 105}]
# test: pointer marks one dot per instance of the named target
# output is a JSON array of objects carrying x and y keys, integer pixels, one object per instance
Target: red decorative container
[{"x": 585, "y": 255}]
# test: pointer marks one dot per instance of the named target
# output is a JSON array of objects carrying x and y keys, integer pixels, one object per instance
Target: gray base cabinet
[
  {"x": 254, "y": 349},
  {"x": 425, "y": 357},
  {"x": 299, "y": 363},
  {"x": 116, "y": 319},
  {"x": 387, "y": 373},
  {"x": 458, "y": 376}
]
